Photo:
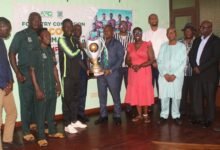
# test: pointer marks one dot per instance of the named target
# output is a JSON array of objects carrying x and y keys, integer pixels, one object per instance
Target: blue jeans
[{"x": 111, "y": 82}]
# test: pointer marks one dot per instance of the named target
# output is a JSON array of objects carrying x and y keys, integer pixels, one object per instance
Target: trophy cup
[{"x": 94, "y": 48}]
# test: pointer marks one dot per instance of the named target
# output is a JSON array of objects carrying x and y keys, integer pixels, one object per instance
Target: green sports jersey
[
  {"x": 43, "y": 62},
  {"x": 23, "y": 43}
]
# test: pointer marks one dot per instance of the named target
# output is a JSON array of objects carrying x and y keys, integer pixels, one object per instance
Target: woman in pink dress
[{"x": 140, "y": 91}]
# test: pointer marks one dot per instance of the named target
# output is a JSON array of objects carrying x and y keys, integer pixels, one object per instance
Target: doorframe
[{"x": 190, "y": 11}]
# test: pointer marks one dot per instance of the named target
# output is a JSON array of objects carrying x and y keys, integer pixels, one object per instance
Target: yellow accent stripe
[
  {"x": 66, "y": 49},
  {"x": 64, "y": 69},
  {"x": 62, "y": 87},
  {"x": 64, "y": 75}
]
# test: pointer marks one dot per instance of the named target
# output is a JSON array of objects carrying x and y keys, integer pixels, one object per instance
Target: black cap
[{"x": 189, "y": 26}]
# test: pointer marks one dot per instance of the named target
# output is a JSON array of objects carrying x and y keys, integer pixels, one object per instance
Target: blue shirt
[{"x": 5, "y": 70}]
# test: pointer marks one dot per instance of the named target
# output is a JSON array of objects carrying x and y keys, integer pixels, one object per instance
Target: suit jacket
[
  {"x": 209, "y": 60},
  {"x": 115, "y": 55}
]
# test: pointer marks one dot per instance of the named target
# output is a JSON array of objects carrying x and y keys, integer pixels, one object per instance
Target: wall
[
  {"x": 141, "y": 10},
  {"x": 210, "y": 10}
]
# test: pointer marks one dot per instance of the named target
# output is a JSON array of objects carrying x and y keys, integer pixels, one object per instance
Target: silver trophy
[{"x": 94, "y": 48}]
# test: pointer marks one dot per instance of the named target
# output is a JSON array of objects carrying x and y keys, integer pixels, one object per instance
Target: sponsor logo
[{"x": 47, "y": 14}]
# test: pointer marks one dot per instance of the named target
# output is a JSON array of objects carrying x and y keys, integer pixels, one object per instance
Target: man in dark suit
[
  {"x": 111, "y": 78},
  {"x": 204, "y": 59}
]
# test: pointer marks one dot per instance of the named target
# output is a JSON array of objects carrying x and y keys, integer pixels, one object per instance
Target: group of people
[
  {"x": 184, "y": 71},
  {"x": 98, "y": 25}
]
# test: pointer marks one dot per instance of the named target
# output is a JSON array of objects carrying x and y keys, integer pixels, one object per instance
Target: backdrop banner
[{"x": 52, "y": 17}]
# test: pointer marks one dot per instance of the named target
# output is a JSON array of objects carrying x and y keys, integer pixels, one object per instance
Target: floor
[{"x": 132, "y": 136}]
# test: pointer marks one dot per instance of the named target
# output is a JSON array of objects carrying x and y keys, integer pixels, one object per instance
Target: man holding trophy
[{"x": 107, "y": 70}]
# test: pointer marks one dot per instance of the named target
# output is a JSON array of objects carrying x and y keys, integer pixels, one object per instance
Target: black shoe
[
  {"x": 216, "y": 129},
  {"x": 207, "y": 124},
  {"x": 83, "y": 119},
  {"x": 129, "y": 114},
  {"x": 196, "y": 122},
  {"x": 150, "y": 110},
  {"x": 9, "y": 146},
  {"x": 101, "y": 120},
  {"x": 117, "y": 120},
  {"x": 178, "y": 121},
  {"x": 161, "y": 121}
]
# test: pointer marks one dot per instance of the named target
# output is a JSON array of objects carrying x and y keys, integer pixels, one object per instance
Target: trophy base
[{"x": 95, "y": 74}]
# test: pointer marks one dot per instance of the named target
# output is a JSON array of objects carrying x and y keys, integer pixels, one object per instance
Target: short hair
[
  {"x": 5, "y": 21},
  {"x": 137, "y": 28},
  {"x": 171, "y": 28},
  {"x": 109, "y": 26},
  {"x": 123, "y": 21},
  {"x": 153, "y": 14},
  {"x": 67, "y": 20},
  {"x": 207, "y": 22},
  {"x": 41, "y": 30},
  {"x": 32, "y": 15},
  {"x": 75, "y": 26}
]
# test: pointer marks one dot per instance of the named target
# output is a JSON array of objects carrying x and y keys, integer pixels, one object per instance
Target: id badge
[
  {"x": 29, "y": 39},
  {"x": 44, "y": 56}
]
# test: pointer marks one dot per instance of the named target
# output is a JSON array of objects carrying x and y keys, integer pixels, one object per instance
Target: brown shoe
[
  {"x": 42, "y": 143},
  {"x": 29, "y": 138},
  {"x": 137, "y": 118},
  {"x": 56, "y": 135}
]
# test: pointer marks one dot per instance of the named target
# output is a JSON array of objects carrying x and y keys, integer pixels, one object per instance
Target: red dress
[{"x": 140, "y": 90}]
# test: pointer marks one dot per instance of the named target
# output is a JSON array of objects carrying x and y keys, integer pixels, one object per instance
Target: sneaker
[
  {"x": 70, "y": 129},
  {"x": 78, "y": 124},
  {"x": 83, "y": 119}
]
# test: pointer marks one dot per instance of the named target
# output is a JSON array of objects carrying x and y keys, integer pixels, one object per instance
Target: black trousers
[
  {"x": 155, "y": 75},
  {"x": 204, "y": 95},
  {"x": 70, "y": 100},
  {"x": 187, "y": 93},
  {"x": 83, "y": 93}
]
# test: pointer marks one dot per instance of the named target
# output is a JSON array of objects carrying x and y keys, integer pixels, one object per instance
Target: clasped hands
[
  {"x": 169, "y": 78},
  {"x": 135, "y": 67}
]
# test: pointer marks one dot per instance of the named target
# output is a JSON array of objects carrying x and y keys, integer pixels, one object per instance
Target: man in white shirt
[{"x": 157, "y": 36}]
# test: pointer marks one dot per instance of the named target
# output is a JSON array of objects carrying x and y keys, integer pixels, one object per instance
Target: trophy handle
[{"x": 102, "y": 45}]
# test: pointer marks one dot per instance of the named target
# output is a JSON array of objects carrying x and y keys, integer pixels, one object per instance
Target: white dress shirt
[
  {"x": 157, "y": 38},
  {"x": 201, "y": 48}
]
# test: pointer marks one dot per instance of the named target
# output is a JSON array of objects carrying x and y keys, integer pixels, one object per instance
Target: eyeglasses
[{"x": 137, "y": 33}]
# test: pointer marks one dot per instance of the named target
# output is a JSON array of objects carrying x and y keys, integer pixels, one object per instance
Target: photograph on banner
[{"x": 112, "y": 17}]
